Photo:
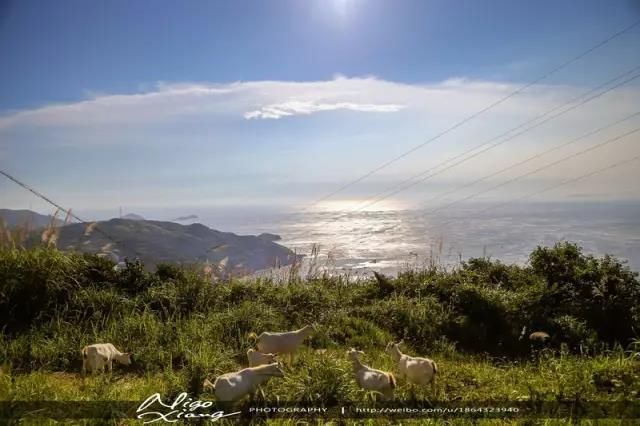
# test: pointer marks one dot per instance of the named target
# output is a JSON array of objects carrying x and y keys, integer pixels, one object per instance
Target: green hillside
[
  {"x": 182, "y": 329},
  {"x": 154, "y": 242}
]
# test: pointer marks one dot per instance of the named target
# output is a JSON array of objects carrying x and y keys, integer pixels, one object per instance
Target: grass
[
  {"x": 327, "y": 378},
  {"x": 183, "y": 329}
]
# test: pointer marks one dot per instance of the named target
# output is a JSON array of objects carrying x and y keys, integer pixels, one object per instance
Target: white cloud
[
  {"x": 285, "y": 109},
  {"x": 278, "y": 99},
  {"x": 212, "y": 115}
]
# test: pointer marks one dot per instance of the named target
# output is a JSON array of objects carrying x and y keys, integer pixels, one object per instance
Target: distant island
[
  {"x": 132, "y": 216},
  {"x": 185, "y": 218},
  {"x": 269, "y": 237}
]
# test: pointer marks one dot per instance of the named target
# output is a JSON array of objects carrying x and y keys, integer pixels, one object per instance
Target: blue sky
[{"x": 279, "y": 102}]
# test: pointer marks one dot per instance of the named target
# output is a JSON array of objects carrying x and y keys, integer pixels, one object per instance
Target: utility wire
[
  {"x": 426, "y": 175},
  {"x": 68, "y": 212},
  {"x": 478, "y": 113},
  {"x": 546, "y": 166},
  {"x": 536, "y": 156},
  {"x": 552, "y": 187}
]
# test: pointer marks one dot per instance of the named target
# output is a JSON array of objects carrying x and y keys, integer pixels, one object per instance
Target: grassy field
[
  {"x": 323, "y": 378},
  {"x": 183, "y": 329}
]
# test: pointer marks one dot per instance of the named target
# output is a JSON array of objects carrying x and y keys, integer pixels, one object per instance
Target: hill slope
[
  {"x": 14, "y": 218},
  {"x": 156, "y": 242}
]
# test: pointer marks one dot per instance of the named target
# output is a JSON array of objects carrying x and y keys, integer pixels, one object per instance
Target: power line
[
  {"x": 536, "y": 156},
  {"x": 552, "y": 187},
  {"x": 39, "y": 194},
  {"x": 68, "y": 212},
  {"x": 539, "y": 169},
  {"x": 425, "y": 175},
  {"x": 478, "y": 113}
]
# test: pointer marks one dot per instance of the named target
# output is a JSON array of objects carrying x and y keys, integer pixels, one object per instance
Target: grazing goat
[
  {"x": 258, "y": 358},
  {"x": 372, "y": 379},
  {"x": 419, "y": 371},
  {"x": 234, "y": 386},
  {"x": 539, "y": 337},
  {"x": 282, "y": 343},
  {"x": 538, "y": 340},
  {"x": 96, "y": 357}
]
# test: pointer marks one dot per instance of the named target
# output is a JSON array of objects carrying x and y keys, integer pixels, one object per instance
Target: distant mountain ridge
[
  {"x": 14, "y": 218},
  {"x": 132, "y": 216},
  {"x": 156, "y": 242}
]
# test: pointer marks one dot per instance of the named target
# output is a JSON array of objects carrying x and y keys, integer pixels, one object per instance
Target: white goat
[
  {"x": 282, "y": 343},
  {"x": 537, "y": 340},
  {"x": 234, "y": 386},
  {"x": 372, "y": 379},
  {"x": 539, "y": 337},
  {"x": 420, "y": 371},
  {"x": 258, "y": 358},
  {"x": 95, "y": 357}
]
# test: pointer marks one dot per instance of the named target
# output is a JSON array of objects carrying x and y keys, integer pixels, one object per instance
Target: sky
[{"x": 153, "y": 104}]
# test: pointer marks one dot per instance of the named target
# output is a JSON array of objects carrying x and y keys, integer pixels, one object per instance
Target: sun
[{"x": 342, "y": 7}]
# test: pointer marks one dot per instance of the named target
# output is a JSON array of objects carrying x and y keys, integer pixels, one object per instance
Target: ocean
[{"x": 388, "y": 241}]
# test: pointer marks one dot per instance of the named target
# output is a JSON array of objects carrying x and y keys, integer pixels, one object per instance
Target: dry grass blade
[
  {"x": 49, "y": 236},
  {"x": 88, "y": 230}
]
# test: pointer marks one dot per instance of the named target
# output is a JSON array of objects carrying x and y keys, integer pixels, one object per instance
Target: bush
[
  {"x": 573, "y": 332},
  {"x": 489, "y": 319},
  {"x": 53, "y": 303},
  {"x": 419, "y": 322},
  {"x": 604, "y": 293},
  {"x": 34, "y": 284}
]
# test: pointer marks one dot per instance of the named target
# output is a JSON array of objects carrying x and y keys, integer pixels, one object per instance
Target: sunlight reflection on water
[{"x": 389, "y": 240}]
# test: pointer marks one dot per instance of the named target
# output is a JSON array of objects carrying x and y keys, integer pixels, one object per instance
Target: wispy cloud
[{"x": 285, "y": 109}]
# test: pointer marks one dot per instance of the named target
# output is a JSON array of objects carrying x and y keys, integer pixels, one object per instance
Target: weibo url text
[{"x": 436, "y": 410}]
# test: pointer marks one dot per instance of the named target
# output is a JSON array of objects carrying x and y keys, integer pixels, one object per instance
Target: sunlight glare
[{"x": 357, "y": 205}]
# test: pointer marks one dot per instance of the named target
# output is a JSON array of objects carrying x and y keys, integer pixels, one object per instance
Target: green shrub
[
  {"x": 53, "y": 303},
  {"x": 604, "y": 293},
  {"x": 34, "y": 284},
  {"x": 573, "y": 332}
]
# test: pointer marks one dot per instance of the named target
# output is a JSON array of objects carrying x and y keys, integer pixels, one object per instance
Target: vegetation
[{"x": 182, "y": 328}]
